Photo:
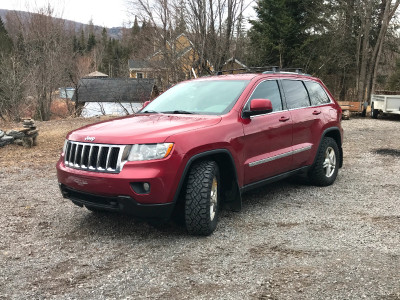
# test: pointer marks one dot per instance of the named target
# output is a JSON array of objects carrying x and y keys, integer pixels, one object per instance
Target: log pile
[{"x": 25, "y": 136}]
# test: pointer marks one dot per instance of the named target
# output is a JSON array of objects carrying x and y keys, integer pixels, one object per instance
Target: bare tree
[
  {"x": 12, "y": 81},
  {"x": 387, "y": 15},
  {"x": 47, "y": 46},
  {"x": 80, "y": 67},
  {"x": 211, "y": 26},
  {"x": 368, "y": 55}
]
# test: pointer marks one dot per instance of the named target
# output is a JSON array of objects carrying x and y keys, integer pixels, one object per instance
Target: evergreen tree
[
  {"x": 180, "y": 22},
  {"x": 135, "y": 28},
  {"x": 75, "y": 44},
  {"x": 135, "y": 40},
  {"x": 282, "y": 30},
  {"x": 104, "y": 37},
  {"x": 82, "y": 43},
  {"x": 20, "y": 44},
  {"x": 91, "y": 43},
  {"x": 144, "y": 25},
  {"x": 6, "y": 44}
]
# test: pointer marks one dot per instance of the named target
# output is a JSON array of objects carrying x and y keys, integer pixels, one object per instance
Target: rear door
[
  {"x": 306, "y": 101},
  {"x": 267, "y": 137}
]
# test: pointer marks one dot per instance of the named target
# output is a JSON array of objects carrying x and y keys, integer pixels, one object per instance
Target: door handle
[
  {"x": 284, "y": 119},
  {"x": 316, "y": 112}
]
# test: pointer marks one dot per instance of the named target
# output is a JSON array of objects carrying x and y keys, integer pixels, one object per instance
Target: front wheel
[
  {"x": 326, "y": 166},
  {"x": 202, "y": 199}
]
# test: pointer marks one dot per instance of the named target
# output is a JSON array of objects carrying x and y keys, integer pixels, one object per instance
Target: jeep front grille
[{"x": 95, "y": 157}]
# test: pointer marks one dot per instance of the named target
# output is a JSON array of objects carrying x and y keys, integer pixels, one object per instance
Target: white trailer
[{"x": 387, "y": 104}]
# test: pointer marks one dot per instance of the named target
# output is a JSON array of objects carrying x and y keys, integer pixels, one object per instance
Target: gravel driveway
[{"x": 290, "y": 241}]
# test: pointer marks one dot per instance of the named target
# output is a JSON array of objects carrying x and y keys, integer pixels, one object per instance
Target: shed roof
[
  {"x": 233, "y": 60},
  {"x": 114, "y": 90},
  {"x": 96, "y": 74},
  {"x": 139, "y": 64}
]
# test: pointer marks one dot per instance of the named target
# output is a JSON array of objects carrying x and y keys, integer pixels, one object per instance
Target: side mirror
[
  {"x": 258, "y": 107},
  {"x": 145, "y": 104}
]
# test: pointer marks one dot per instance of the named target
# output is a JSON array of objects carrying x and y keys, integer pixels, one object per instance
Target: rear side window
[
  {"x": 317, "y": 94},
  {"x": 295, "y": 93},
  {"x": 268, "y": 90}
]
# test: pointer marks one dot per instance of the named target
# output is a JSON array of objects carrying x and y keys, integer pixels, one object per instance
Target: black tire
[
  {"x": 202, "y": 199},
  {"x": 374, "y": 112},
  {"x": 326, "y": 166}
]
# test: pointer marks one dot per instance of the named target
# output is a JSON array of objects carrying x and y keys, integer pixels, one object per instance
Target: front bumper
[
  {"x": 161, "y": 175},
  {"x": 118, "y": 191},
  {"x": 122, "y": 204}
]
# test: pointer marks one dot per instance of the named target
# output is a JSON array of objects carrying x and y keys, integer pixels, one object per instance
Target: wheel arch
[
  {"x": 333, "y": 132},
  {"x": 228, "y": 176}
]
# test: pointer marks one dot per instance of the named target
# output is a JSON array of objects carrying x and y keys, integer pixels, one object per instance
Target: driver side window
[{"x": 267, "y": 90}]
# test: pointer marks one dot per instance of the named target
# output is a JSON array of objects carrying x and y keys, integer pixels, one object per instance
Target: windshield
[{"x": 198, "y": 97}]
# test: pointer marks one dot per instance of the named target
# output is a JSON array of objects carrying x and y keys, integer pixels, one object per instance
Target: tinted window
[
  {"x": 268, "y": 90},
  {"x": 295, "y": 93},
  {"x": 317, "y": 93}
]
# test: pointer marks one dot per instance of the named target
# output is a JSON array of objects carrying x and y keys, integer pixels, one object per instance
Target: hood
[{"x": 149, "y": 128}]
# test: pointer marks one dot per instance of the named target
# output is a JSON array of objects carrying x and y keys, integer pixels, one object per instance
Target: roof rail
[
  {"x": 264, "y": 70},
  {"x": 271, "y": 69},
  {"x": 295, "y": 70}
]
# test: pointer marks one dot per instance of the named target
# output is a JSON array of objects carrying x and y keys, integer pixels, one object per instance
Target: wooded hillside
[{"x": 352, "y": 45}]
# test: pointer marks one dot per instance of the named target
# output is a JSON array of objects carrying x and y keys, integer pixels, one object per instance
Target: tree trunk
[
  {"x": 386, "y": 17},
  {"x": 364, "y": 51}
]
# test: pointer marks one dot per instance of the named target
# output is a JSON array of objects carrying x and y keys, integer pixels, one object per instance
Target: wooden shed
[{"x": 120, "y": 90}]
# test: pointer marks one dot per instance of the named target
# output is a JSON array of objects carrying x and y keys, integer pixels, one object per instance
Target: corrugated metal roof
[{"x": 114, "y": 90}]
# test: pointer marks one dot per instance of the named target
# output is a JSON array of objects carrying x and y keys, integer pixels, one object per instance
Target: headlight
[{"x": 149, "y": 151}]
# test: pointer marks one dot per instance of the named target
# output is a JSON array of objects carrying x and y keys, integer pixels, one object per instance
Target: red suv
[{"x": 203, "y": 143}]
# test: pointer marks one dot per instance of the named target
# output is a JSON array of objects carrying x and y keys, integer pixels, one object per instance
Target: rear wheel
[
  {"x": 374, "y": 112},
  {"x": 202, "y": 199},
  {"x": 326, "y": 166}
]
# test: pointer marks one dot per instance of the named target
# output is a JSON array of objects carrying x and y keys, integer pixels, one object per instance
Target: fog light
[{"x": 141, "y": 187}]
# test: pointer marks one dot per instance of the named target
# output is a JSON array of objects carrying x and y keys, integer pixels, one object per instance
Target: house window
[{"x": 139, "y": 75}]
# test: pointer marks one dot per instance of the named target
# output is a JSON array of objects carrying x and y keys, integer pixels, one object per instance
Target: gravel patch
[{"x": 290, "y": 241}]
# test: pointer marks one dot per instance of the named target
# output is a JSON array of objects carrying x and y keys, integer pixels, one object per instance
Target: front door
[{"x": 267, "y": 137}]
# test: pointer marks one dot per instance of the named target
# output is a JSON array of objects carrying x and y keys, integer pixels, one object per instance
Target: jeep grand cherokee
[{"x": 201, "y": 144}]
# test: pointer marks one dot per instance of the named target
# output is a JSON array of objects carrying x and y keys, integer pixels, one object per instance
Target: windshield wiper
[
  {"x": 183, "y": 112},
  {"x": 149, "y": 112}
]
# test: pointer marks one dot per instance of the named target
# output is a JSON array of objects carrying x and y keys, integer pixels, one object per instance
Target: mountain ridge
[{"x": 113, "y": 32}]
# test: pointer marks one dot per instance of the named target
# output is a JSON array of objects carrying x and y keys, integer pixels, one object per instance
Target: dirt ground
[
  {"x": 290, "y": 241},
  {"x": 50, "y": 142}
]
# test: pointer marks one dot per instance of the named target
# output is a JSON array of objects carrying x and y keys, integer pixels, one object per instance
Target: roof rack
[
  {"x": 264, "y": 70},
  {"x": 272, "y": 69},
  {"x": 295, "y": 70}
]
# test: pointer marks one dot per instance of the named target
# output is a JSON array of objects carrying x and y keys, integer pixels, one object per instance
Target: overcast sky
[{"x": 103, "y": 12}]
